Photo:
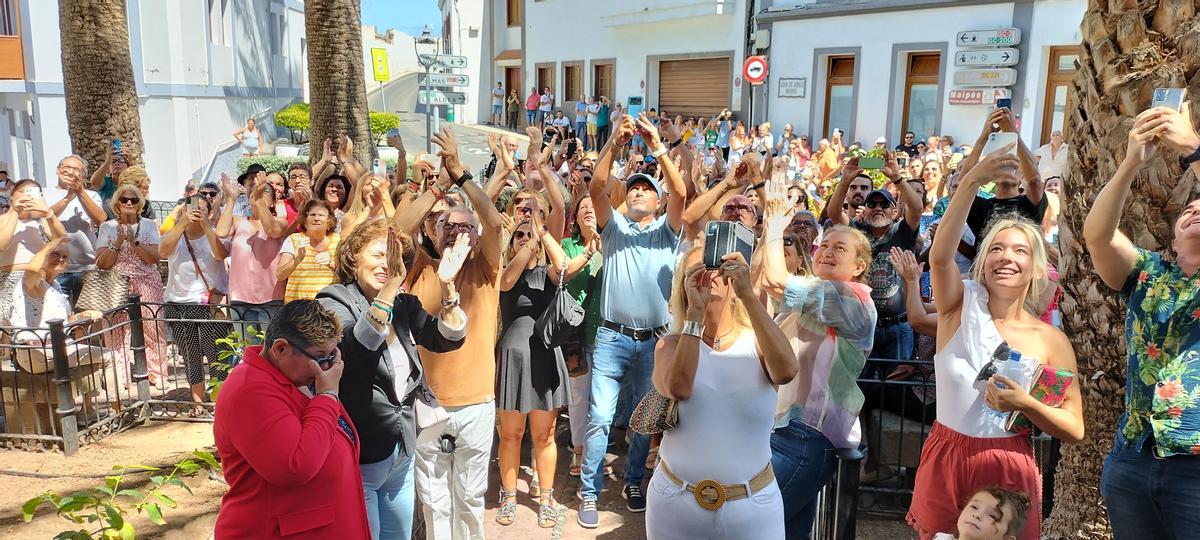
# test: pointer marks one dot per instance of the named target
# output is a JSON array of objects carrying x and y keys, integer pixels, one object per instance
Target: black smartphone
[
  {"x": 571, "y": 147},
  {"x": 725, "y": 237}
]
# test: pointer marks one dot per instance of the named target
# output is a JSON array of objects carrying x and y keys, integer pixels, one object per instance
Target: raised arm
[
  {"x": 489, "y": 217},
  {"x": 837, "y": 215},
  {"x": 324, "y": 167},
  {"x": 167, "y": 246},
  {"x": 598, "y": 187},
  {"x": 225, "y": 223},
  {"x": 909, "y": 196},
  {"x": 556, "y": 220},
  {"x": 97, "y": 179},
  {"x": 706, "y": 204},
  {"x": 678, "y": 190},
  {"x": 775, "y": 353}
]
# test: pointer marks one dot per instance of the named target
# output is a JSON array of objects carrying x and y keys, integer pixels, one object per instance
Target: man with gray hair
[{"x": 80, "y": 212}]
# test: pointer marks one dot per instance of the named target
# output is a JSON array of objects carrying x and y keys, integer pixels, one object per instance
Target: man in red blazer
[{"x": 288, "y": 449}]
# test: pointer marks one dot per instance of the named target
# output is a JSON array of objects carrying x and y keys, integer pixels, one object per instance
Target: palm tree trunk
[
  {"x": 1129, "y": 49},
  {"x": 102, "y": 102},
  {"x": 336, "y": 83}
]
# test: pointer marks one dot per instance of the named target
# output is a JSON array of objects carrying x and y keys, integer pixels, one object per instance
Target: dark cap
[
  {"x": 887, "y": 196},
  {"x": 252, "y": 170}
]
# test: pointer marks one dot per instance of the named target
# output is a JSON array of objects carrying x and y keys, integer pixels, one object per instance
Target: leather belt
[
  {"x": 712, "y": 495},
  {"x": 888, "y": 321},
  {"x": 638, "y": 334}
]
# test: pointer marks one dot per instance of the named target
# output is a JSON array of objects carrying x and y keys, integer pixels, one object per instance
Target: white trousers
[
  {"x": 673, "y": 514},
  {"x": 452, "y": 485}
]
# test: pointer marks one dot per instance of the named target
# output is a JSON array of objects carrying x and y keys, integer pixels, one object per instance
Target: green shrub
[
  {"x": 277, "y": 164},
  {"x": 381, "y": 123},
  {"x": 295, "y": 118}
]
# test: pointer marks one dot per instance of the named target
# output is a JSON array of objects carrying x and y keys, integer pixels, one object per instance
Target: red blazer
[{"x": 291, "y": 461}]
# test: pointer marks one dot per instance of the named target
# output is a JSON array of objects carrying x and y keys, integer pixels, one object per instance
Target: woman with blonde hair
[
  {"x": 968, "y": 449},
  {"x": 739, "y": 142},
  {"x": 830, "y": 318},
  {"x": 129, "y": 245}
]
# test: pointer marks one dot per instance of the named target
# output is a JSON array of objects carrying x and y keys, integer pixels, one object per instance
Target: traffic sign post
[
  {"x": 1004, "y": 37},
  {"x": 987, "y": 57},
  {"x": 441, "y": 97},
  {"x": 379, "y": 65},
  {"x": 443, "y": 79},
  {"x": 754, "y": 70},
  {"x": 433, "y": 99},
  {"x": 985, "y": 77},
  {"x": 443, "y": 60}
]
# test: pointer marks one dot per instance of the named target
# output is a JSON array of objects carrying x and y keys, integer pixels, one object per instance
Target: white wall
[
  {"x": 1055, "y": 22},
  {"x": 474, "y": 36},
  {"x": 399, "y": 47}
]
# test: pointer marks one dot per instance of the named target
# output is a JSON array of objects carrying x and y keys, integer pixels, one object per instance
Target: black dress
[{"x": 529, "y": 376}]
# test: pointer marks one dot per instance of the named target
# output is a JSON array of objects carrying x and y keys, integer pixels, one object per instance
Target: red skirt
[{"x": 955, "y": 466}]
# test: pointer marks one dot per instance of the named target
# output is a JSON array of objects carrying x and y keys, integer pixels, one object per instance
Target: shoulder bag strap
[{"x": 192, "y": 254}]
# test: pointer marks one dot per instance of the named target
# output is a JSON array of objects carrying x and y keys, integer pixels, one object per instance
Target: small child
[{"x": 991, "y": 514}]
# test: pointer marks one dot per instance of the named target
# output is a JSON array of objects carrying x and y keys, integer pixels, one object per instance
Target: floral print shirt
[{"x": 1162, "y": 389}]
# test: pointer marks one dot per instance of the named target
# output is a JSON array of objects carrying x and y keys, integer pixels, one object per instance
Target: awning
[{"x": 510, "y": 54}]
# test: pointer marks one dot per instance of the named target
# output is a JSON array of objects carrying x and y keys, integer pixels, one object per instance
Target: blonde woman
[
  {"x": 722, "y": 362},
  {"x": 738, "y": 144},
  {"x": 369, "y": 200},
  {"x": 129, "y": 245},
  {"x": 967, "y": 449}
]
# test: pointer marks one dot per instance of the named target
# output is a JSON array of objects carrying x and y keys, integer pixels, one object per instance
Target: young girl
[{"x": 991, "y": 514}]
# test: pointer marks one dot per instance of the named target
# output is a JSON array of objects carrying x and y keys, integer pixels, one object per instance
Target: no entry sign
[{"x": 755, "y": 69}]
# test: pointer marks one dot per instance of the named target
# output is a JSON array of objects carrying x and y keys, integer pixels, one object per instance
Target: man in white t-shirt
[
  {"x": 545, "y": 104},
  {"x": 80, "y": 212},
  {"x": 593, "y": 109},
  {"x": 581, "y": 120},
  {"x": 497, "y": 104}
]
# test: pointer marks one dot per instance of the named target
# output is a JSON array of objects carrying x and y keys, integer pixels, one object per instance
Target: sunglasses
[
  {"x": 878, "y": 203},
  {"x": 450, "y": 226},
  {"x": 520, "y": 235},
  {"x": 129, "y": 200},
  {"x": 208, "y": 194},
  {"x": 325, "y": 362},
  {"x": 788, "y": 241}
]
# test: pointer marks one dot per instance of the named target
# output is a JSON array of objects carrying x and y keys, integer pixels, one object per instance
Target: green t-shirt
[{"x": 585, "y": 287}]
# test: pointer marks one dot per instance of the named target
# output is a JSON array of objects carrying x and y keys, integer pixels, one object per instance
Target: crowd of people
[{"x": 412, "y": 318}]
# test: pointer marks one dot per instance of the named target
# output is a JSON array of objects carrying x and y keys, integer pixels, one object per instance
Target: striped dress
[{"x": 314, "y": 272}]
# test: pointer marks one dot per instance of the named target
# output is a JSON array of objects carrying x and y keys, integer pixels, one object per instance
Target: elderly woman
[
  {"x": 384, "y": 376},
  {"x": 128, "y": 245},
  {"x": 23, "y": 232},
  {"x": 830, "y": 318},
  {"x": 196, "y": 277},
  {"x": 306, "y": 258},
  {"x": 716, "y": 464},
  {"x": 288, "y": 449},
  {"x": 968, "y": 450}
]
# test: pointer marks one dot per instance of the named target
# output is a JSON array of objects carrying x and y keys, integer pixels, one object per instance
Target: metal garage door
[{"x": 694, "y": 87}]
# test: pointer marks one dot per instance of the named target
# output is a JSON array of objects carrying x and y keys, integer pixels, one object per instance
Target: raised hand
[
  {"x": 778, "y": 208},
  {"x": 327, "y": 151},
  {"x": 1172, "y": 128},
  {"x": 736, "y": 271},
  {"x": 649, "y": 132},
  {"x": 1142, "y": 142},
  {"x": 453, "y": 258},
  {"x": 906, "y": 264},
  {"x": 850, "y": 169},
  {"x": 327, "y": 379},
  {"x": 345, "y": 152},
  {"x": 993, "y": 167},
  {"x": 451, "y": 162},
  {"x": 697, "y": 284}
]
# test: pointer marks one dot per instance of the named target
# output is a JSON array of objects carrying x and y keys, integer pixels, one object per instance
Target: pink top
[
  {"x": 252, "y": 261},
  {"x": 531, "y": 102}
]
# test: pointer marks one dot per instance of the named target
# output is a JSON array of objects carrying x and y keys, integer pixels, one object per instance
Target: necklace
[{"x": 717, "y": 340}]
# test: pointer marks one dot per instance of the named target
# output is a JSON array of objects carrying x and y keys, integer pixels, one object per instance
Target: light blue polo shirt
[{"x": 638, "y": 266}]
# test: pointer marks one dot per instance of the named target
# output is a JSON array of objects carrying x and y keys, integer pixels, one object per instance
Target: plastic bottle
[{"x": 1017, "y": 369}]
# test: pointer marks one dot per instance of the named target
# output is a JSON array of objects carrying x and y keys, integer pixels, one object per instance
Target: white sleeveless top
[
  {"x": 724, "y": 430},
  {"x": 960, "y": 398}
]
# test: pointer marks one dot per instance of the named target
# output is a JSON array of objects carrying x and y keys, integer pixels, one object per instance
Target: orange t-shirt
[
  {"x": 466, "y": 376},
  {"x": 828, "y": 163}
]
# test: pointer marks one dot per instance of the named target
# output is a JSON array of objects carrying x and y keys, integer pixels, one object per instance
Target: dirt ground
[{"x": 163, "y": 443}]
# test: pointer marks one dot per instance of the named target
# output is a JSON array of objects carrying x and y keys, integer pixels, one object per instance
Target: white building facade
[
  {"x": 883, "y": 67},
  {"x": 201, "y": 69}
]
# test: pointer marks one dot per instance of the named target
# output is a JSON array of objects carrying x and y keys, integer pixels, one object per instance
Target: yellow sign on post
[{"x": 379, "y": 63}]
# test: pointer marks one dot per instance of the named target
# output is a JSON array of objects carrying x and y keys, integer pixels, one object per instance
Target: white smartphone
[
  {"x": 1169, "y": 97},
  {"x": 379, "y": 167},
  {"x": 999, "y": 140}
]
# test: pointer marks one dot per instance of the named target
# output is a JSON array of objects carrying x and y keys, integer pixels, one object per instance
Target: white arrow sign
[
  {"x": 443, "y": 79},
  {"x": 987, "y": 57},
  {"x": 444, "y": 60},
  {"x": 1004, "y": 37},
  {"x": 438, "y": 97},
  {"x": 985, "y": 77}
]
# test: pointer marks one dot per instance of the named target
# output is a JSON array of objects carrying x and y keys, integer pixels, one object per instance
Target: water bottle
[{"x": 1017, "y": 369}]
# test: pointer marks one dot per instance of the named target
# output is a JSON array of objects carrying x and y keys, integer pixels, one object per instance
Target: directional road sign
[
  {"x": 443, "y": 79},
  {"x": 985, "y": 77},
  {"x": 439, "y": 97},
  {"x": 986, "y": 57},
  {"x": 444, "y": 60},
  {"x": 1004, "y": 37}
]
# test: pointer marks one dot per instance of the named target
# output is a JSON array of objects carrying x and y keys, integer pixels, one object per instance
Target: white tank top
[
  {"x": 724, "y": 430},
  {"x": 960, "y": 398}
]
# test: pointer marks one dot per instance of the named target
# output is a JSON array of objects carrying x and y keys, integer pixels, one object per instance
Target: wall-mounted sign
[
  {"x": 793, "y": 88},
  {"x": 987, "y": 57},
  {"x": 1004, "y": 37},
  {"x": 985, "y": 77},
  {"x": 755, "y": 69},
  {"x": 978, "y": 96}
]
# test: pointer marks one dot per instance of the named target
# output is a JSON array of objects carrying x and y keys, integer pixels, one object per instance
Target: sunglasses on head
[
  {"x": 129, "y": 200},
  {"x": 325, "y": 362}
]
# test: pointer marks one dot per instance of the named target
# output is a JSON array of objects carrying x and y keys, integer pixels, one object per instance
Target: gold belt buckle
[{"x": 710, "y": 494}]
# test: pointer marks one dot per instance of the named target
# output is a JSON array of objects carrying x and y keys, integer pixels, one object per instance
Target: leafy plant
[
  {"x": 104, "y": 511},
  {"x": 381, "y": 123},
  {"x": 276, "y": 164},
  {"x": 233, "y": 347},
  {"x": 295, "y": 118}
]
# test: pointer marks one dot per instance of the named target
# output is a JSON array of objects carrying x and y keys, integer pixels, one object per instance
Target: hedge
[
  {"x": 295, "y": 118},
  {"x": 280, "y": 164}
]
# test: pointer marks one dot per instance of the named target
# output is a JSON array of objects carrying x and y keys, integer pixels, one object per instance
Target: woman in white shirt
[
  {"x": 196, "y": 277},
  {"x": 722, "y": 362}
]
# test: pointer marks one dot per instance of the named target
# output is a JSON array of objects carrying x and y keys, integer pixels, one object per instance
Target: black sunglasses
[
  {"x": 878, "y": 203},
  {"x": 208, "y": 194},
  {"x": 325, "y": 362},
  {"x": 130, "y": 200},
  {"x": 518, "y": 235}
]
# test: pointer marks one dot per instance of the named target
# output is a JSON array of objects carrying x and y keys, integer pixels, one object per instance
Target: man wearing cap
[
  {"x": 639, "y": 258},
  {"x": 881, "y": 143}
]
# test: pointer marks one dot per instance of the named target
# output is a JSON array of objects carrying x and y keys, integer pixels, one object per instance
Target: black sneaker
[
  {"x": 588, "y": 517},
  {"x": 635, "y": 501}
]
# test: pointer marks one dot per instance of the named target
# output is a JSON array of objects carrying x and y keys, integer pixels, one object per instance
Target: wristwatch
[
  {"x": 452, "y": 303},
  {"x": 462, "y": 179},
  {"x": 1192, "y": 158}
]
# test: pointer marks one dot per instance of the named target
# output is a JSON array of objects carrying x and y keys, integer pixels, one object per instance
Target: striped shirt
[{"x": 313, "y": 273}]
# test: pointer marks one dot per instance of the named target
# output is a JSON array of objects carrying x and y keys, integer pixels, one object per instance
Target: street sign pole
[
  {"x": 383, "y": 96},
  {"x": 428, "y": 119}
]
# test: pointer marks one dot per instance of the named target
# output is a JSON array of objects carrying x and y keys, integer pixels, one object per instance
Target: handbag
[
  {"x": 1049, "y": 387},
  {"x": 563, "y": 315},
  {"x": 102, "y": 290},
  {"x": 654, "y": 414},
  {"x": 214, "y": 297}
]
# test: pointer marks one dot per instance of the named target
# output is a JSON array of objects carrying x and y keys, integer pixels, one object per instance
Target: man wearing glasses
[
  {"x": 300, "y": 188},
  {"x": 80, "y": 212},
  {"x": 909, "y": 146}
]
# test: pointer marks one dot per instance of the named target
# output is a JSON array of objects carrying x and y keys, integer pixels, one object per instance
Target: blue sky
[{"x": 408, "y": 16}]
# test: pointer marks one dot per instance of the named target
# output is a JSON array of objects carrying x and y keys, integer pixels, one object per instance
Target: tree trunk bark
[
  {"x": 1129, "y": 49},
  {"x": 336, "y": 84},
  {"x": 102, "y": 102}
]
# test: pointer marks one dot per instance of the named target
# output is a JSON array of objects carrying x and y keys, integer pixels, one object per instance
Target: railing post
[
  {"x": 137, "y": 344},
  {"x": 62, "y": 379}
]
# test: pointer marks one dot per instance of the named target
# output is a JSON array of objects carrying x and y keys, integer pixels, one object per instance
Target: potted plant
[{"x": 295, "y": 118}]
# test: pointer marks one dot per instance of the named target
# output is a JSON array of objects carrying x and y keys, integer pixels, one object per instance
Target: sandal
[
  {"x": 547, "y": 510},
  {"x": 508, "y": 507}
]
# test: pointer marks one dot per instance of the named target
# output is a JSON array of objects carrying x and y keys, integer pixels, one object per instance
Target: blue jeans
[
  {"x": 388, "y": 491},
  {"x": 804, "y": 461},
  {"x": 581, "y": 133},
  {"x": 529, "y": 115},
  {"x": 617, "y": 357},
  {"x": 70, "y": 283},
  {"x": 1149, "y": 497}
]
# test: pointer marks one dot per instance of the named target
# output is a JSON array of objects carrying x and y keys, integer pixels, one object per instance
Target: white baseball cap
[{"x": 881, "y": 140}]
